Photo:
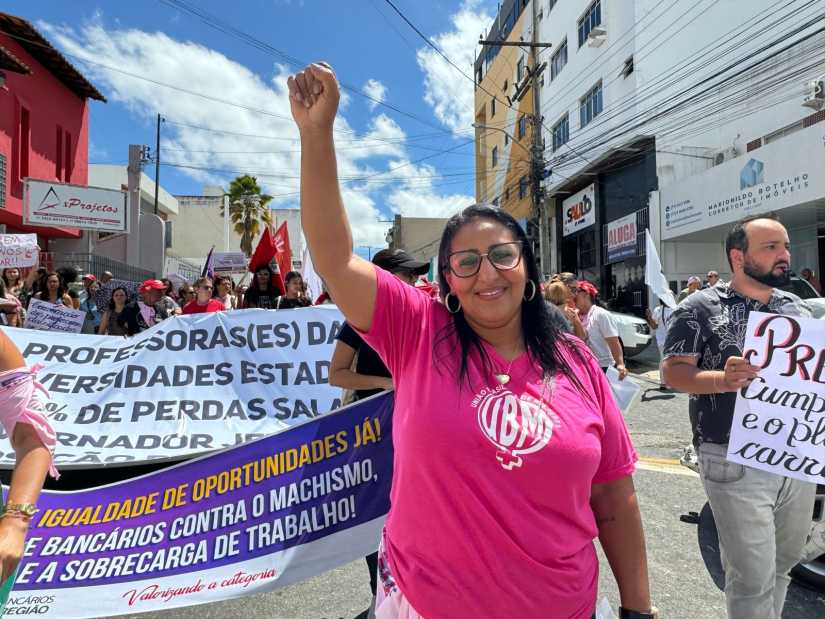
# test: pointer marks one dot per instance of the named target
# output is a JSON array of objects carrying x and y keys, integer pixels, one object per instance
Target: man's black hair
[{"x": 738, "y": 236}]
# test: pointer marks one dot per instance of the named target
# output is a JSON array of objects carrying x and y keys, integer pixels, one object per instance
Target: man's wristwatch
[{"x": 625, "y": 613}]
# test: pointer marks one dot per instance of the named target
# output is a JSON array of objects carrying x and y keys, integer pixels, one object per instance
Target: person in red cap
[
  {"x": 602, "y": 334},
  {"x": 154, "y": 307},
  {"x": 204, "y": 302}
]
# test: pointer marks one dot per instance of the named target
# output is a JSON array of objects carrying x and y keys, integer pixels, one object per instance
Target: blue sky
[{"x": 369, "y": 45}]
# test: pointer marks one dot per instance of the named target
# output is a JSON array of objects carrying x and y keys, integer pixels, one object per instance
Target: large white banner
[
  {"x": 779, "y": 420},
  {"x": 74, "y": 206},
  {"x": 186, "y": 386},
  {"x": 18, "y": 250},
  {"x": 47, "y": 316},
  {"x": 778, "y": 175}
]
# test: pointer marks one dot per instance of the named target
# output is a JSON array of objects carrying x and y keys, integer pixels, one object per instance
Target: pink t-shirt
[{"x": 491, "y": 485}]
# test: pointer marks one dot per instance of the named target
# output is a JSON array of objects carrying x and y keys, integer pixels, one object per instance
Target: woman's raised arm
[{"x": 314, "y": 96}]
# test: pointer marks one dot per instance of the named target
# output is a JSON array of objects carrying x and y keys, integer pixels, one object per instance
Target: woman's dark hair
[
  {"x": 169, "y": 291},
  {"x": 2, "y": 287},
  {"x": 290, "y": 276},
  {"x": 68, "y": 275},
  {"x": 544, "y": 341},
  {"x": 112, "y": 300},
  {"x": 218, "y": 280},
  {"x": 6, "y": 278},
  {"x": 254, "y": 291},
  {"x": 61, "y": 287}
]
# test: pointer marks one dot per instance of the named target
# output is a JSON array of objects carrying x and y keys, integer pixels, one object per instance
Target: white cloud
[
  {"x": 377, "y": 91},
  {"x": 240, "y": 140},
  {"x": 448, "y": 92}
]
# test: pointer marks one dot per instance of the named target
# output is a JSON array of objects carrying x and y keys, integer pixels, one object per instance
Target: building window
[
  {"x": 591, "y": 19},
  {"x": 627, "y": 69},
  {"x": 492, "y": 107},
  {"x": 497, "y": 201},
  {"x": 479, "y": 75},
  {"x": 506, "y": 139},
  {"x": 58, "y": 154},
  {"x": 552, "y": 4},
  {"x": 68, "y": 160},
  {"x": 24, "y": 143},
  {"x": 495, "y": 157},
  {"x": 522, "y": 126},
  {"x": 506, "y": 194},
  {"x": 504, "y": 88},
  {"x": 559, "y": 60},
  {"x": 590, "y": 105},
  {"x": 561, "y": 132},
  {"x": 522, "y": 187},
  {"x": 520, "y": 69}
]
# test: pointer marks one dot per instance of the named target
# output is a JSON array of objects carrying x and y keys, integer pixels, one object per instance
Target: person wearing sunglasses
[
  {"x": 204, "y": 301},
  {"x": 510, "y": 453}
]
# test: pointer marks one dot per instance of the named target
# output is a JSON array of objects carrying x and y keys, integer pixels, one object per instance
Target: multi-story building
[
  {"x": 503, "y": 113},
  {"x": 682, "y": 120},
  {"x": 44, "y": 122}
]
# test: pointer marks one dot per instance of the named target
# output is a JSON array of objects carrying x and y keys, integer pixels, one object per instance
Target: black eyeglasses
[{"x": 503, "y": 256}]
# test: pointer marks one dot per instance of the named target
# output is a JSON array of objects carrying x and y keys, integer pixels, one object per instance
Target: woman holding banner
[
  {"x": 510, "y": 453},
  {"x": 55, "y": 292},
  {"x": 24, "y": 419}
]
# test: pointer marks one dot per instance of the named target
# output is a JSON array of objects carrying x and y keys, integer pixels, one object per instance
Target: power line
[
  {"x": 231, "y": 30},
  {"x": 441, "y": 53}
]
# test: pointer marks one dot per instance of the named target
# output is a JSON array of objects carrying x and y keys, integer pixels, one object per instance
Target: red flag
[
  {"x": 283, "y": 252},
  {"x": 266, "y": 254}
]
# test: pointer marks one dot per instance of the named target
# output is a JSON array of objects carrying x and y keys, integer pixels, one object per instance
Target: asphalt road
[{"x": 685, "y": 572}]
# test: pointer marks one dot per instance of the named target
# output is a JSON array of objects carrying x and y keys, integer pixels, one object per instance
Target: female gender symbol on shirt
[{"x": 514, "y": 425}]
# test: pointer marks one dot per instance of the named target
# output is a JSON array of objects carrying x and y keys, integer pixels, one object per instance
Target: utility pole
[
  {"x": 157, "y": 163},
  {"x": 536, "y": 225}
]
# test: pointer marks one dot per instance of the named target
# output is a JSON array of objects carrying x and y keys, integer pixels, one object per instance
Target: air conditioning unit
[
  {"x": 815, "y": 94},
  {"x": 725, "y": 155},
  {"x": 597, "y": 36}
]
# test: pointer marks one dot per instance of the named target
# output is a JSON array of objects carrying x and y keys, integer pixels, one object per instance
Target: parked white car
[
  {"x": 808, "y": 294},
  {"x": 634, "y": 333}
]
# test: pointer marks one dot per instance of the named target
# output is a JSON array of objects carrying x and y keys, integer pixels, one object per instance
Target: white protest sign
[
  {"x": 50, "y": 317},
  {"x": 779, "y": 419},
  {"x": 186, "y": 386},
  {"x": 18, "y": 250},
  {"x": 229, "y": 262}
]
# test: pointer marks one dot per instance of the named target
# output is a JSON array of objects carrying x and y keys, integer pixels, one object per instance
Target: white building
[
  {"x": 200, "y": 225},
  {"x": 697, "y": 110}
]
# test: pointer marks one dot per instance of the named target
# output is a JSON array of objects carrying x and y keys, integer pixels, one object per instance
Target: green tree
[{"x": 248, "y": 209}]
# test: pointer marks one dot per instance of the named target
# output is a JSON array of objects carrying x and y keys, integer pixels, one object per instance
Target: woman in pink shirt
[{"x": 510, "y": 453}]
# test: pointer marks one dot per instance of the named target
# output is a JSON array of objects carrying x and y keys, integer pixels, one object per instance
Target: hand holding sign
[{"x": 738, "y": 373}]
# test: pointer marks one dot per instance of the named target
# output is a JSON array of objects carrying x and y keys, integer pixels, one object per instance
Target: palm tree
[{"x": 248, "y": 209}]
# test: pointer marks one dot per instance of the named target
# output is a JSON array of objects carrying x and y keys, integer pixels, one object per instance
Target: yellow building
[{"x": 503, "y": 108}]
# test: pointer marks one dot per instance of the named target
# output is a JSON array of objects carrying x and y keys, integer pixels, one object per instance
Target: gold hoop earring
[
  {"x": 532, "y": 292},
  {"x": 447, "y": 303}
]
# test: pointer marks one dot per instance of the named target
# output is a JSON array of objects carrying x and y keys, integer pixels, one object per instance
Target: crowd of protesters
[{"x": 110, "y": 308}]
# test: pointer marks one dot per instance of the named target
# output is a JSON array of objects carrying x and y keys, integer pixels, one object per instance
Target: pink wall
[{"x": 50, "y": 105}]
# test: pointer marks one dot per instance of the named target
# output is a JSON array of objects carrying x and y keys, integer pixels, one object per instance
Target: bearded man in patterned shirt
[{"x": 763, "y": 519}]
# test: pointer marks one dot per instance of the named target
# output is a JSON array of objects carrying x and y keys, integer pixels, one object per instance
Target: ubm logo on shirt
[{"x": 517, "y": 426}]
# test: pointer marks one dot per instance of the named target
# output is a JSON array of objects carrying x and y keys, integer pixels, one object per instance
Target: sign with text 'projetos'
[
  {"x": 779, "y": 420},
  {"x": 74, "y": 206},
  {"x": 188, "y": 385},
  {"x": 250, "y": 519}
]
